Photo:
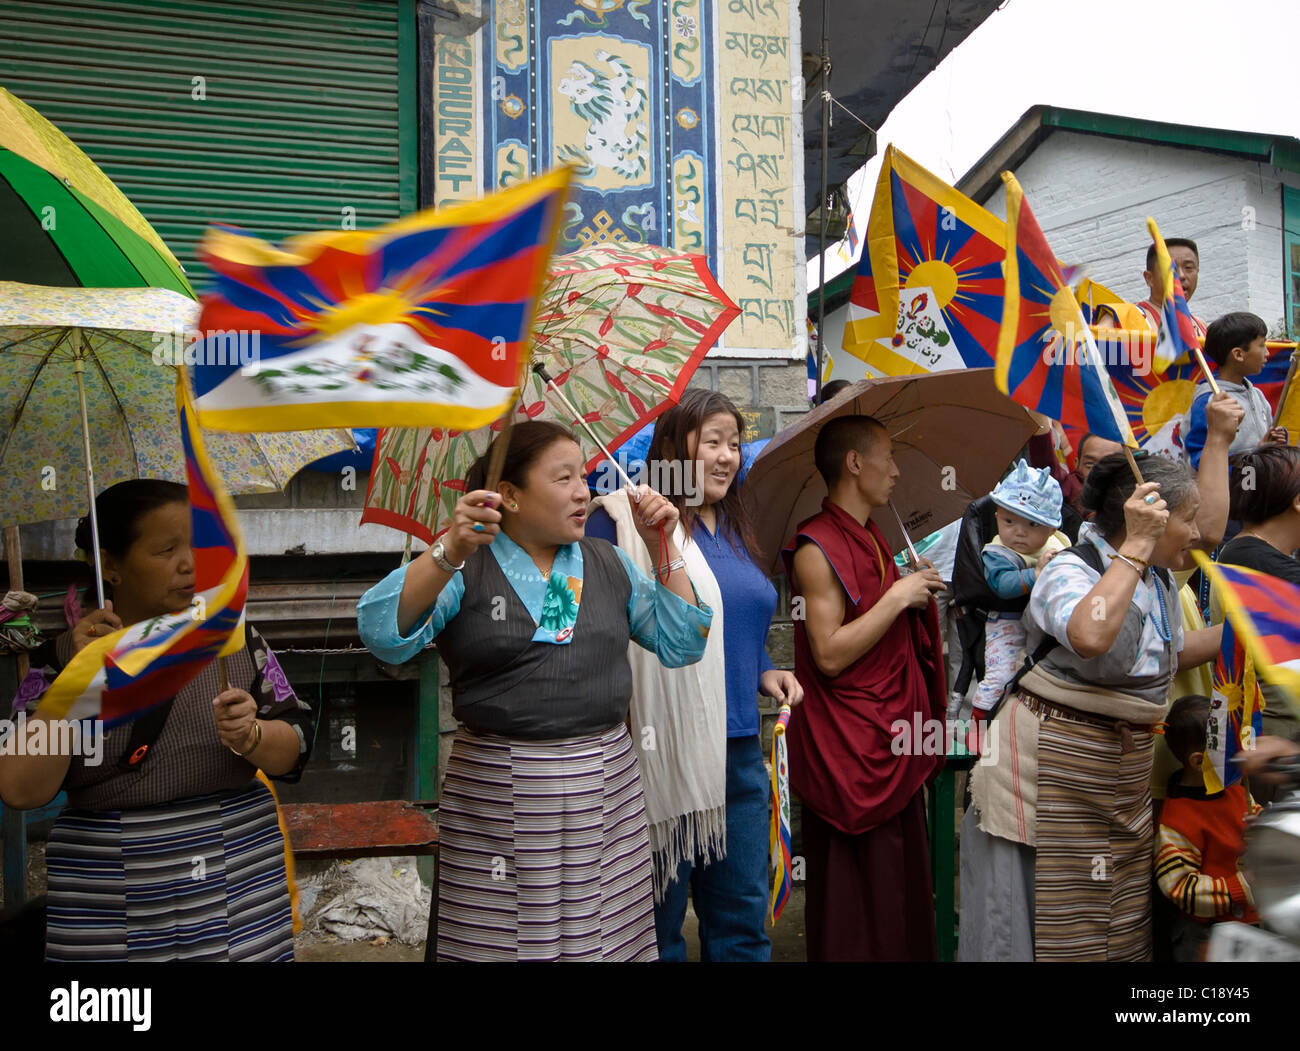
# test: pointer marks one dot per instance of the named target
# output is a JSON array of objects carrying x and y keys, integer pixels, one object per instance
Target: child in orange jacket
[{"x": 1201, "y": 838}]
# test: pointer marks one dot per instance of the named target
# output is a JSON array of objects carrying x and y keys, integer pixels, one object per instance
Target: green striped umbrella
[{"x": 74, "y": 225}]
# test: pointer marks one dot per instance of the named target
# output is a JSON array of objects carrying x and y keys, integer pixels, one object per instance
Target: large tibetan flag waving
[
  {"x": 1265, "y": 613},
  {"x": 138, "y": 667},
  {"x": 424, "y": 322},
  {"x": 1047, "y": 358},
  {"x": 928, "y": 290}
]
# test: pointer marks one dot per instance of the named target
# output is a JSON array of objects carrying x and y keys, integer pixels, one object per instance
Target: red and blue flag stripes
[
  {"x": 119, "y": 677},
  {"x": 1047, "y": 359},
  {"x": 424, "y": 322},
  {"x": 1265, "y": 613}
]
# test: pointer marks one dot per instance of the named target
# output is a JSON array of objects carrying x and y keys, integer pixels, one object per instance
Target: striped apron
[
  {"x": 544, "y": 852},
  {"x": 197, "y": 879},
  {"x": 1092, "y": 873}
]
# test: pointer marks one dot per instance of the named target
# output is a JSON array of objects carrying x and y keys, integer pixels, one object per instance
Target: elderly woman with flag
[
  {"x": 545, "y": 853},
  {"x": 170, "y": 847},
  {"x": 1070, "y": 785}
]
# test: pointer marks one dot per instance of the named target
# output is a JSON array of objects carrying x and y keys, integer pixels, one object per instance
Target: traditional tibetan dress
[
  {"x": 544, "y": 850},
  {"x": 179, "y": 855}
]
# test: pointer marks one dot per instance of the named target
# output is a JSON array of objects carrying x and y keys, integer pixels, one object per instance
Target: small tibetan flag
[
  {"x": 1047, "y": 357},
  {"x": 423, "y": 322},
  {"x": 779, "y": 826},
  {"x": 1265, "y": 615},
  {"x": 119, "y": 677},
  {"x": 1177, "y": 335},
  {"x": 1236, "y": 713}
]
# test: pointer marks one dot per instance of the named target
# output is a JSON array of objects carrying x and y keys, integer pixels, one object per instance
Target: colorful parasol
[
  {"x": 620, "y": 328},
  {"x": 120, "y": 340},
  {"x": 74, "y": 225},
  {"x": 953, "y": 434}
]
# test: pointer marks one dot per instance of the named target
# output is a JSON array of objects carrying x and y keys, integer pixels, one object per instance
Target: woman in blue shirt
[
  {"x": 544, "y": 850},
  {"x": 697, "y": 728}
]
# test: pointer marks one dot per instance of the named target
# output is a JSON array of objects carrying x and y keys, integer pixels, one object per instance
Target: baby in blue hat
[{"x": 1028, "y": 515}]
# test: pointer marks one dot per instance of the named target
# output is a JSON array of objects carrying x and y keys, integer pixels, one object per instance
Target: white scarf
[{"x": 679, "y": 722}]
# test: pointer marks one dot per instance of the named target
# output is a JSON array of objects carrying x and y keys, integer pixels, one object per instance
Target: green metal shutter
[{"x": 310, "y": 108}]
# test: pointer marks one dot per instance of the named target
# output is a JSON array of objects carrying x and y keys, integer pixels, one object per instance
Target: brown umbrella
[{"x": 954, "y": 434}]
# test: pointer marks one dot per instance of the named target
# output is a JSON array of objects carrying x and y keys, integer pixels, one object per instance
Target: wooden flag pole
[
  {"x": 1093, "y": 356},
  {"x": 502, "y": 443},
  {"x": 1286, "y": 386},
  {"x": 1200, "y": 360},
  {"x": 1128, "y": 451}
]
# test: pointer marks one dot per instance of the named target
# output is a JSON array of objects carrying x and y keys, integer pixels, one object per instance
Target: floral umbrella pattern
[
  {"x": 130, "y": 402},
  {"x": 620, "y": 328}
]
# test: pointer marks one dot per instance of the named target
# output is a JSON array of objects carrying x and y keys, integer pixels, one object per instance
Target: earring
[{"x": 514, "y": 507}]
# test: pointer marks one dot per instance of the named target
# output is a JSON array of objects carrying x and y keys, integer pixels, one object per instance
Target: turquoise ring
[{"x": 478, "y": 527}]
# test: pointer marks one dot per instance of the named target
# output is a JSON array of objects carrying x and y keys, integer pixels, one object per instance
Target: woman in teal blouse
[{"x": 544, "y": 849}]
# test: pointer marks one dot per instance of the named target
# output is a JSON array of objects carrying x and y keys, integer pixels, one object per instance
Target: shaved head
[{"x": 841, "y": 436}]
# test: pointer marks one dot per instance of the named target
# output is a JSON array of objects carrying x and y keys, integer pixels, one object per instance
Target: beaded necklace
[{"x": 1162, "y": 624}]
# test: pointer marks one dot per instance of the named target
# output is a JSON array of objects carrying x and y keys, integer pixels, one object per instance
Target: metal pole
[
  {"x": 551, "y": 387},
  {"x": 79, "y": 366},
  {"x": 825, "y": 210}
]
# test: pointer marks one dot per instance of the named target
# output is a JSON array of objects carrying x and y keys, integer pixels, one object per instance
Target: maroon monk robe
[{"x": 866, "y": 830}]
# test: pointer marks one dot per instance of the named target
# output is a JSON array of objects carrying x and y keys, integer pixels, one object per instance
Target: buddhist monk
[{"x": 869, "y": 657}]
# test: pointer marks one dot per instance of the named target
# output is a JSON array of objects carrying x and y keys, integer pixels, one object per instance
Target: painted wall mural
[{"x": 677, "y": 116}]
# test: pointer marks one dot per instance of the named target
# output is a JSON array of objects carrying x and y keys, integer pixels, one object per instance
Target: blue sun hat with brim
[{"x": 1032, "y": 493}]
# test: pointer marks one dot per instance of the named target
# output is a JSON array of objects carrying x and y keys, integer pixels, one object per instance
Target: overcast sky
[{"x": 1214, "y": 63}]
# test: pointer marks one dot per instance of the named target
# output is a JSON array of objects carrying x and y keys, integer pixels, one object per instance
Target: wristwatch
[{"x": 439, "y": 553}]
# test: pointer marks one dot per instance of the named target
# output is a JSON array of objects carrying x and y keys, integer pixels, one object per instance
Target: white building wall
[{"x": 1092, "y": 194}]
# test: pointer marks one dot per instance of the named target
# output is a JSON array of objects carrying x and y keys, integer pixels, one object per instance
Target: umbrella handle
[
  {"x": 79, "y": 369},
  {"x": 911, "y": 550}
]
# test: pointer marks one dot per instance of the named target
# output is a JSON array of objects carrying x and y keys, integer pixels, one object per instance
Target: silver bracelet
[
  {"x": 1131, "y": 564},
  {"x": 676, "y": 564}
]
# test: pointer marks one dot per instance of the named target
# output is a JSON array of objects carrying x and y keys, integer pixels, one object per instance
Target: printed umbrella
[
  {"x": 954, "y": 434},
  {"x": 74, "y": 225},
  {"x": 620, "y": 330},
  {"x": 113, "y": 345}
]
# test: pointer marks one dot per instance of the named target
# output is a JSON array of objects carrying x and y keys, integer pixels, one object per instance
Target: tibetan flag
[
  {"x": 851, "y": 235},
  {"x": 1265, "y": 614},
  {"x": 123, "y": 675},
  {"x": 1272, "y": 382},
  {"x": 1177, "y": 335},
  {"x": 1047, "y": 358},
  {"x": 928, "y": 291},
  {"x": 1236, "y": 713},
  {"x": 423, "y": 322},
  {"x": 779, "y": 825}
]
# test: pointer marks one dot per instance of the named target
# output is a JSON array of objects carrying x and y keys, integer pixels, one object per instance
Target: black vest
[{"x": 504, "y": 683}]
